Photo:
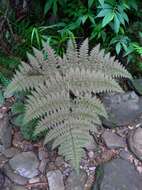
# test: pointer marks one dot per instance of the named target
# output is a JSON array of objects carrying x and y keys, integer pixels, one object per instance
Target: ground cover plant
[{"x": 63, "y": 94}]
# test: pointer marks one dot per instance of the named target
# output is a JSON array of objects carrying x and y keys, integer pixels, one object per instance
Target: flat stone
[
  {"x": 76, "y": 182},
  {"x": 125, "y": 154},
  {"x": 5, "y": 131},
  {"x": 3, "y": 160},
  {"x": 25, "y": 164},
  {"x": 55, "y": 180},
  {"x": 112, "y": 140},
  {"x": 43, "y": 166},
  {"x": 91, "y": 145},
  {"x": 120, "y": 175},
  {"x": 34, "y": 180},
  {"x": 135, "y": 142},
  {"x": 123, "y": 109},
  {"x": 17, "y": 187},
  {"x": 10, "y": 152},
  {"x": 42, "y": 154},
  {"x": 13, "y": 176},
  {"x": 59, "y": 161}
]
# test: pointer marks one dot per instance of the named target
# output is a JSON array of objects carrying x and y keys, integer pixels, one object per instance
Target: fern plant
[{"x": 61, "y": 94}]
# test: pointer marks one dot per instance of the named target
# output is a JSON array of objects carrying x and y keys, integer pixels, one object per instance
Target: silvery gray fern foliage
[{"x": 61, "y": 94}]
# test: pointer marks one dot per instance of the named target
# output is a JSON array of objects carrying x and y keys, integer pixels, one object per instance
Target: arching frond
[
  {"x": 83, "y": 81},
  {"x": 61, "y": 94}
]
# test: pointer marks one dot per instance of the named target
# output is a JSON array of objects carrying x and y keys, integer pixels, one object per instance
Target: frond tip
[{"x": 61, "y": 94}]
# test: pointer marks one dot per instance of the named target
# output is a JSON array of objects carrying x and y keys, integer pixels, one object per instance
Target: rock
[
  {"x": 125, "y": 154},
  {"x": 13, "y": 176},
  {"x": 137, "y": 84},
  {"x": 135, "y": 142},
  {"x": 25, "y": 164},
  {"x": 112, "y": 140},
  {"x": 123, "y": 109},
  {"x": 3, "y": 160},
  {"x": 91, "y": 145},
  {"x": 42, "y": 166},
  {"x": 5, "y": 131},
  {"x": 120, "y": 175},
  {"x": 76, "y": 182},
  {"x": 7, "y": 184},
  {"x": 2, "y": 179},
  {"x": 34, "y": 180},
  {"x": 17, "y": 187},
  {"x": 10, "y": 152},
  {"x": 51, "y": 166},
  {"x": 42, "y": 154},
  {"x": 55, "y": 180},
  {"x": 59, "y": 161}
]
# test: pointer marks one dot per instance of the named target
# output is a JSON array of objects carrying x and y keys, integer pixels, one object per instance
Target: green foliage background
[{"x": 115, "y": 24}]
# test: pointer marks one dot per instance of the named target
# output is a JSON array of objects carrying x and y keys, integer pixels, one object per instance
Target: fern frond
[
  {"x": 94, "y": 105},
  {"x": 72, "y": 53},
  {"x": 75, "y": 111},
  {"x": 48, "y": 105},
  {"x": 24, "y": 79},
  {"x": 39, "y": 55},
  {"x": 98, "y": 61},
  {"x": 83, "y": 53},
  {"x": 61, "y": 94},
  {"x": 51, "y": 60},
  {"x": 72, "y": 137},
  {"x": 82, "y": 81}
]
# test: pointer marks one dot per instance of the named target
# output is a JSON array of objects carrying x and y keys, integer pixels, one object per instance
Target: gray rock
[
  {"x": 13, "y": 176},
  {"x": 17, "y": 187},
  {"x": 76, "y": 182},
  {"x": 135, "y": 142},
  {"x": 59, "y": 161},
  {"x": 7, "y": 184},
  {"x": 10, "y": 152},
  {"x": 5, "y": 131},
  {"x": 55, "y": 180},
  {"x": 43, "y": 166},
  {"x": 42, "y": 154},
  {"x": 112, "y": 140},
  {"x": 2, "y": 179},
  {"x": 123, "y": 109},
  {"x": 120, "y": 175},
  {"x": 25, "y": 164},
  {"x": 124, "y": 154},
  {"x": 3, "y": 160}
]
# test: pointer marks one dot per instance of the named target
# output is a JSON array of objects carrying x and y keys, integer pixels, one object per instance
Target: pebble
[
  {"x": 112, "y": 140},
  {"x": 55, "y": 180},
  {"x": 42, "y": 166}
]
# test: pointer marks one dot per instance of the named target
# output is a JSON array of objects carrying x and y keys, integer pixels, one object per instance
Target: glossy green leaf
[
  {"x": 1, "y": 98},
  {"x": 101, "y": 2},
  {"x": 118, "y": 47},
  {"x": 116, "y": 24},
  {"x": 90, "y": 3},
  {"x": 84, "y": 18},
  {"x": 125, "y": 17},
  {"x": 47, "y": 6},
  {"x": 104, "y": 12},
  {"x": 55, "y": 7},
  {"x": 107, "y": 19}
]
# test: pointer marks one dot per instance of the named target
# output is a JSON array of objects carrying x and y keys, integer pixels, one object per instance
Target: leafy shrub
[{"x": 61, "y": 94}]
